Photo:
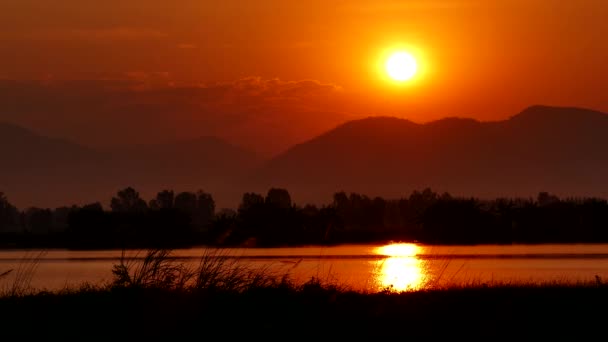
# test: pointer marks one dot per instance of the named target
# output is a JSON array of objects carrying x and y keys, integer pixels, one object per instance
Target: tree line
[{"x": 191, "y": 218}]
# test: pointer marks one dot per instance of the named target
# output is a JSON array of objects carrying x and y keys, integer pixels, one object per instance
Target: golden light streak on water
[{"x": 401, "y": 270}]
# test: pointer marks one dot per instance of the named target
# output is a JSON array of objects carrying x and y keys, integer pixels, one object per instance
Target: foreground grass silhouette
[{"x": 159, "y": 298}]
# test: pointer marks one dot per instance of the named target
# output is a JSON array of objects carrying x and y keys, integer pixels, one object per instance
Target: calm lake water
[{"x": 361, "y": 267}]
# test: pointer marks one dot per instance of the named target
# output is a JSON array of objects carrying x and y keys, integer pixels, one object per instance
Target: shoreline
[{"x": 253, "y": 247}]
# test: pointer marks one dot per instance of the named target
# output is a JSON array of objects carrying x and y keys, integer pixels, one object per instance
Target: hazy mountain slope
[
  {"x": 43, "y": 171},
  {"x": 562, "y": 150},
  {"x": 20, "y": 147}
]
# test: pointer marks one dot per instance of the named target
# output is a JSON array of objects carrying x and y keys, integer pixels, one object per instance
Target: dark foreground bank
[{"x": 308, "y": 312}]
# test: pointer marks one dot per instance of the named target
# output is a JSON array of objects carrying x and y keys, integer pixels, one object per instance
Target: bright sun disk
[{"x": 401, "y": 66}]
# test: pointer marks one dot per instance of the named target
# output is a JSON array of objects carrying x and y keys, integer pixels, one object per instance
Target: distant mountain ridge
[
  {"x": 556, "y": 149},
  {"x": 43, "y": 171},
  {"x": 563, "y": 150},
  {"x": 20, "y": 146}
]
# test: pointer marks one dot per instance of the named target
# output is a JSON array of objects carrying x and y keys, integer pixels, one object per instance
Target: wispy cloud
[
  {"x": 264, "y": 114},
  {"x": 275, "y": 87}
]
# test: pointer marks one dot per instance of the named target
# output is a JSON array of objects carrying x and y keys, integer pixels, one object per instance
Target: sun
[{"x": 401, "y": 66}]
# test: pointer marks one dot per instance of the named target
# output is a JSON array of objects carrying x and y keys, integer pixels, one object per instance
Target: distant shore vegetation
[{"x": 186, "y": 219}]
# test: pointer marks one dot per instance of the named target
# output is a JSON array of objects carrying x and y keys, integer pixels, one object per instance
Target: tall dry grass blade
[
  {"x": 156, "y": 269},
  {"x": 4, "y": 274},
  {"x": 24, "y": 274}
]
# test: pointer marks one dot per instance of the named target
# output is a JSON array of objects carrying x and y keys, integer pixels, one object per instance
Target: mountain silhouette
[
  {"x": 43, "y": 171},
  {"x": 183, "y": 163},
  {"x": 561, "y": 150},
  {"x": 21, "y": 148},
  {"x": 556, "y": 149}
]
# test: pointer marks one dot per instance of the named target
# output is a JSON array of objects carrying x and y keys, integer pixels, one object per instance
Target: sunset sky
[{"x": 270, "y": 73}]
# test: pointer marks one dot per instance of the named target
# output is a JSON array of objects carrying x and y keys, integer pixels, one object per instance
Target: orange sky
[{"x": 482, "y": 59}]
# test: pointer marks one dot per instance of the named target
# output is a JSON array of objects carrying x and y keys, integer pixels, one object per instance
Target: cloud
[
  {"x": 267, "y": 115},
  {"x": 276, "y": 88},
  {"x": 141, "y": 80},
  {"x": 144, "y": 75}
]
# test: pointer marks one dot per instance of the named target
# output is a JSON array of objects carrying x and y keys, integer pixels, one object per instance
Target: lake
[{"x": 403, "y": 266}]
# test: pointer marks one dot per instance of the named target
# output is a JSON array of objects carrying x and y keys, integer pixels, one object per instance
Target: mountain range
[
  {"x": 41, "y": 171},
  {"x": 556, "y": 149},
  {"x": 560, "y": 150}
]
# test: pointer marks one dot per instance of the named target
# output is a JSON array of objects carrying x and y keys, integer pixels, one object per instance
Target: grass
[
  {"x": 156, "y": 296},
  {"x": 215, "y": 271},
  {"x": 157, "y": 270},
  {"x": 22, "y": 276}
]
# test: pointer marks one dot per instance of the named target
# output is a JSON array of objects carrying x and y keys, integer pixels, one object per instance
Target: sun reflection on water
[{"x": 401, "y": 270}]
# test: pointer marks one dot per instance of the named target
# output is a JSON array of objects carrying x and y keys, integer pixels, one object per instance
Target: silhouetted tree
[
  {"x": 93, "y": 207},
  {"x": 545, "y": 198},
  {"x": 186, "y": 202},
  {"x": 222, "y": 226},
  {"x": 458, "y": 221},
  {"x": 251, "y": 218},
  {"x": 9, "y": 215},
  {"x": 189, "y": 218},
  {"x": 269, "y": 221},
  {"x": 39, "y": 221},
  {"x": 340, "y": 200},
  {"x": 279, "y": 198},
  {"x": 128, "y": 201},
  {"x": 60, "y": 218},
  {"x": 250, "y": 200},
  {"x": 318, "y": 224},
  {"x": 205, "y": 209},
  {"x": 391, "y": 217},
  {"x": 226, "y": 212},
  {"x": 164, "y": 200},
  {"x": 153, "y": 205},
  {"x": 417, "y": 204},
  {"x": 91, "y": 227}
]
